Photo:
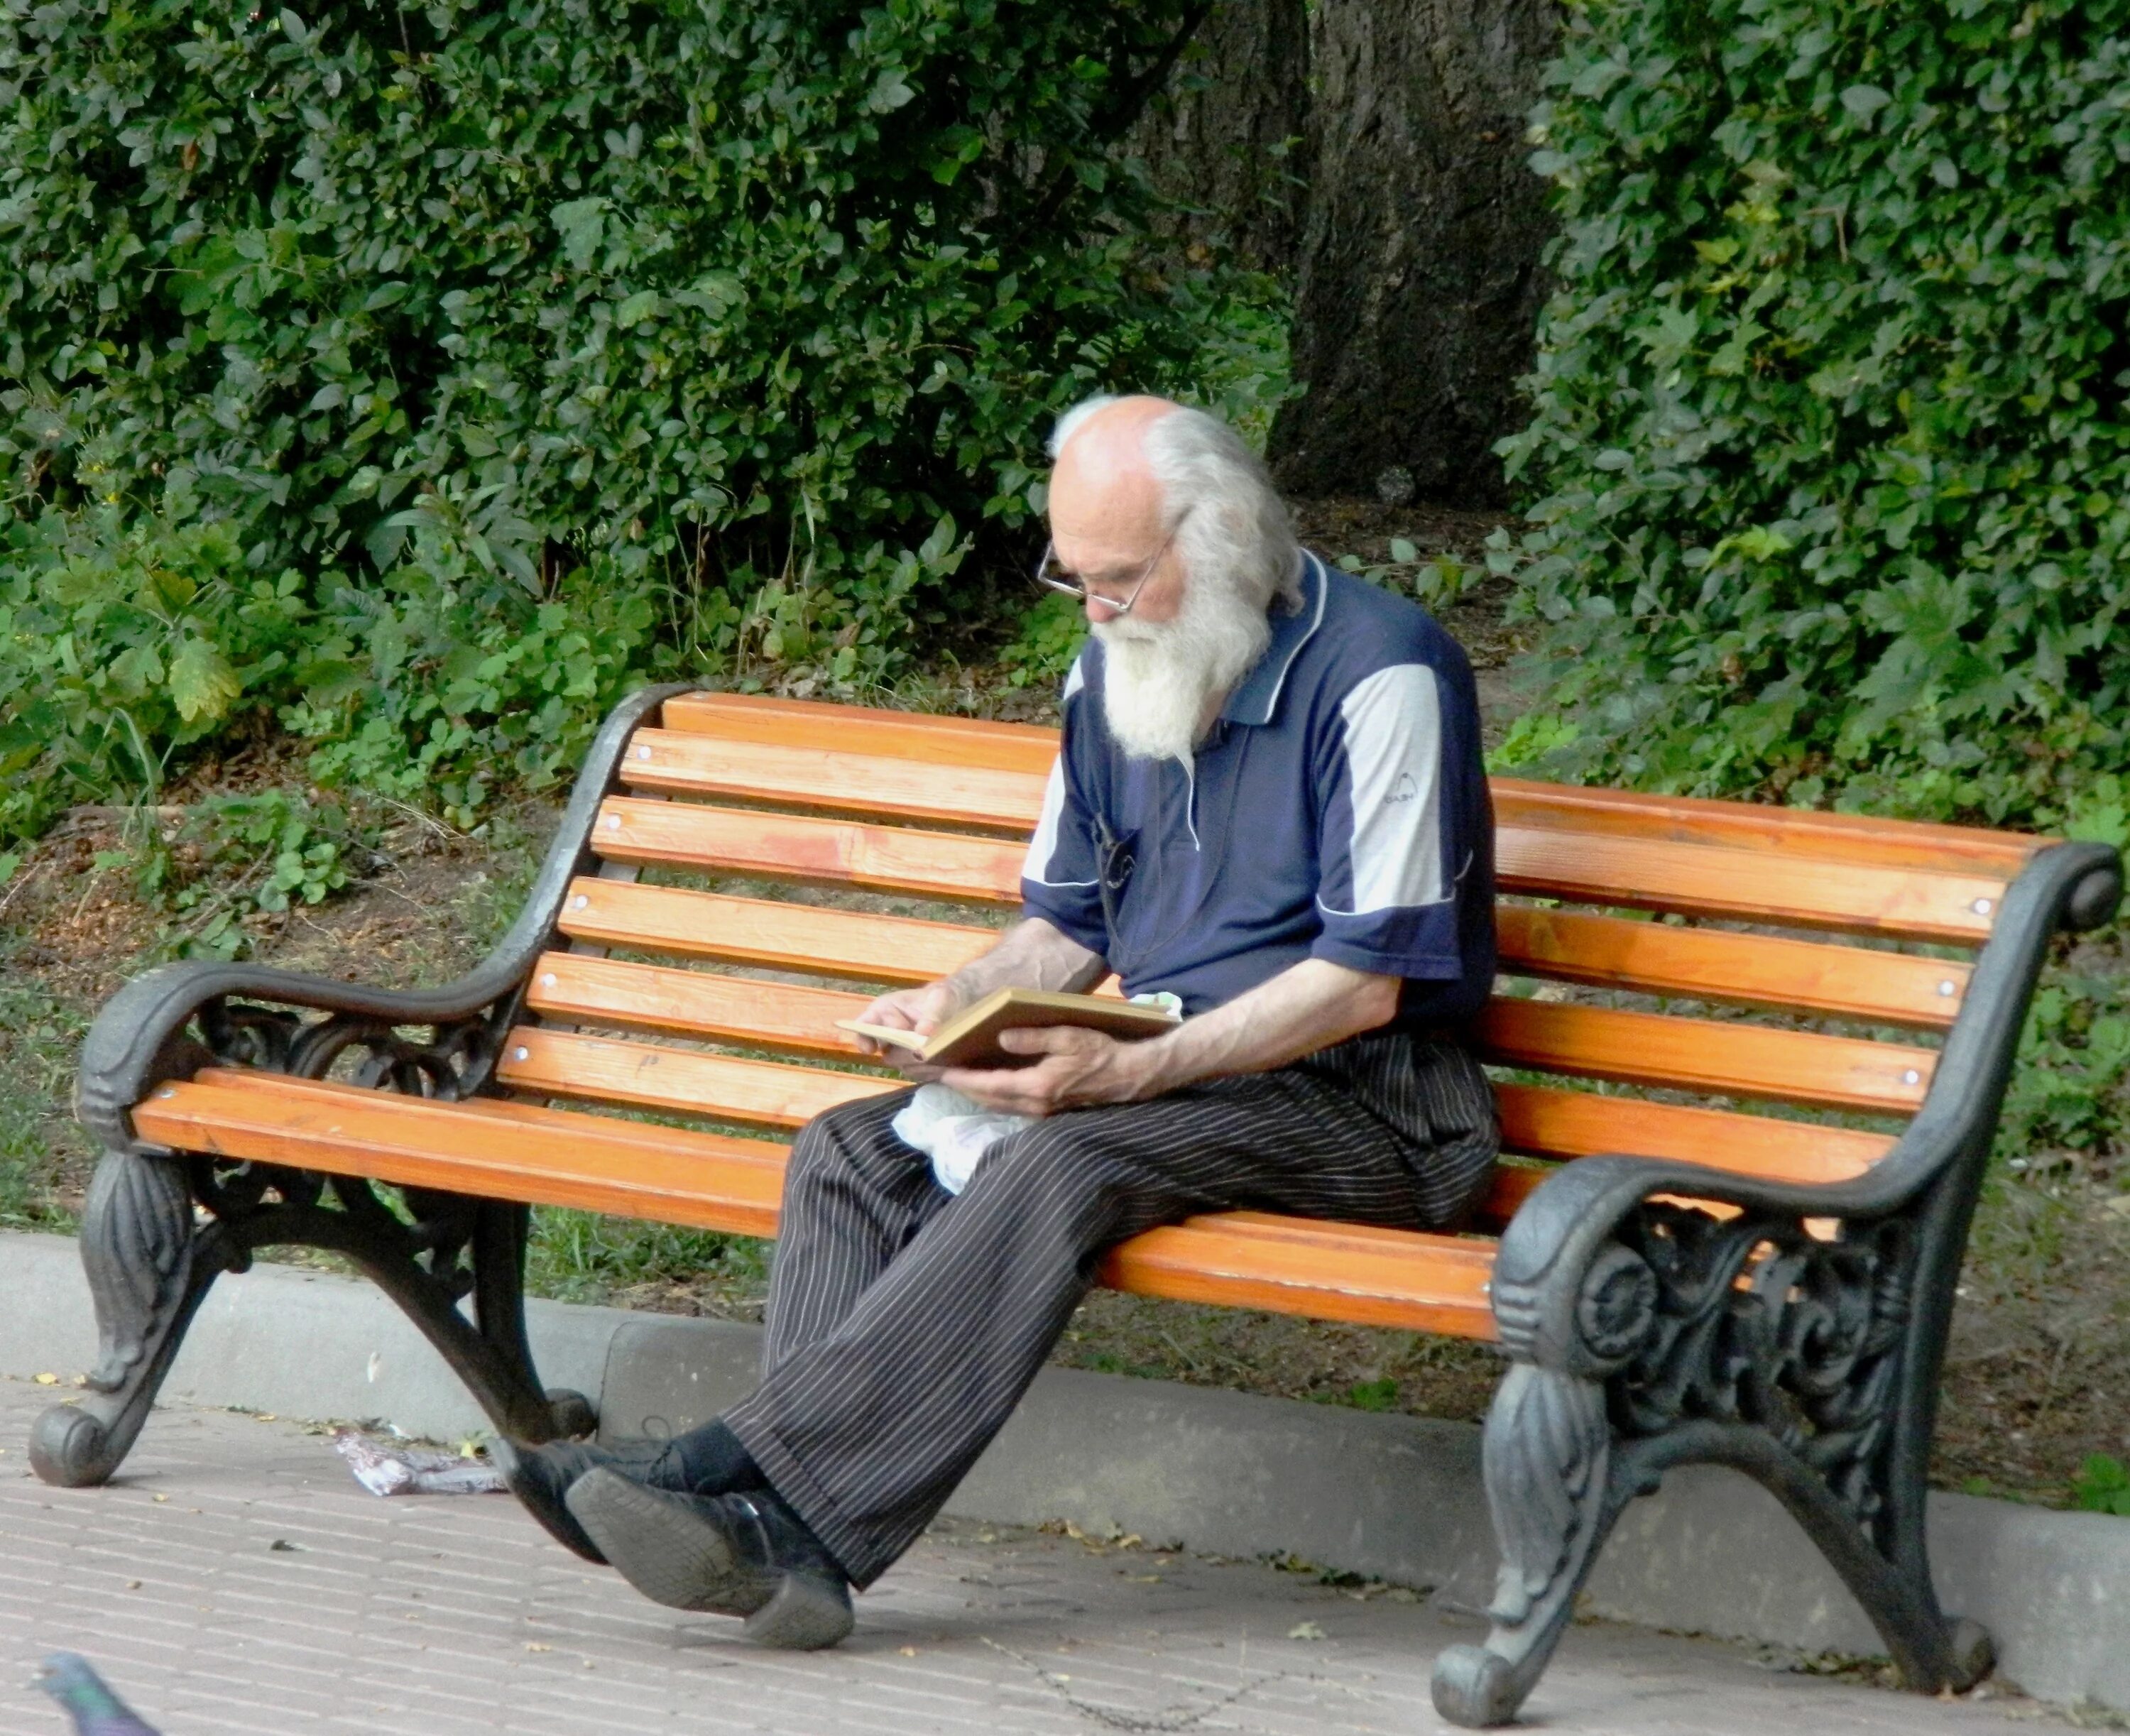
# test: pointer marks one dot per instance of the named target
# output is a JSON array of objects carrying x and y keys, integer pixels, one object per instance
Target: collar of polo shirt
[{"x": 1256, "y": 697}]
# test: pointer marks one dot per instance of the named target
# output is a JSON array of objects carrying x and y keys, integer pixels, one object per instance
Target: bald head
[{"x": 1105, "y": 501}]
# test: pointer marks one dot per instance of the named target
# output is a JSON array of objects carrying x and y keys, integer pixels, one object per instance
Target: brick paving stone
[{"x": 452, "y": 1616}]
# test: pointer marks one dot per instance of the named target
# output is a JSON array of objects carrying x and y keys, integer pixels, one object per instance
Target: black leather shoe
[
  {"x": 540, "y": 1476},
  {"x": 739, "y": 1554}
]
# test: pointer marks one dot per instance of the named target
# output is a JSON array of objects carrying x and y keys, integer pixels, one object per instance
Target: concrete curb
[{"x": 1227, "y": 1473}]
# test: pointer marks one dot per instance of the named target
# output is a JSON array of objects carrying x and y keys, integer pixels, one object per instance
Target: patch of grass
[
  {"x": 584, "y": 1256},
  {"x": 39, "y": 1037}
]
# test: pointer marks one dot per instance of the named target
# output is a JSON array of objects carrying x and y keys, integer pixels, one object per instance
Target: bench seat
[{"x": 1749, "y": 1062}]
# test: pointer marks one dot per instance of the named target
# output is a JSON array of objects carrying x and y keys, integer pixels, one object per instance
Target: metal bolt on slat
[
  {"x": 1948, "y": 987},
  {"x": 1912, "y": 1078},
  {"x": 1982, "y": 906},
  {"x": 521, "y": 1053}
]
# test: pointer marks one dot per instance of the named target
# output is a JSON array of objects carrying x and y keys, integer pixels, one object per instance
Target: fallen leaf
[
  {"x": 534, "y": 1645},
  {"x": 161, "y": 1497},
  {"x": 132, "y": 1584},
  {"x": 45, "y": 1380},
  {"x": 285, "y": 1547},
  {"x": 909, "y": 1651},
  {"x": 265, "y": 1416},
  {"x": 1304, "y": 1630}
]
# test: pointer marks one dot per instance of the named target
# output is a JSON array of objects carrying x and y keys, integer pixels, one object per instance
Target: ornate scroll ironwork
[
  {"x": 1646, "y": 1335},
  {"x": 161, "y": 1226}
]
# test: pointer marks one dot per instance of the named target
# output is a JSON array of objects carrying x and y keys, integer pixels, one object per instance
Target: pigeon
[{"x": 72, "y": 1681}]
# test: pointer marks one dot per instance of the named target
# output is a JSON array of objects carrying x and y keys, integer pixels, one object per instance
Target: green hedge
[
  {"x": 427, "y": 372},
  {"x": 1830, "y": 425}
]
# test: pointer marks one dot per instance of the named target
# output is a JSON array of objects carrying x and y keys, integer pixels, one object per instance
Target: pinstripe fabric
[{"x": 904, "y": 1322}]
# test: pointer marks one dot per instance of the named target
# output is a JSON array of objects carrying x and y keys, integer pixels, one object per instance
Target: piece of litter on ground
[
  {"x": 388, "y": 1467},
  {"x": 1304, "y": 1630},
  {"x": 162, "y": 1498},
  {"x": 282, "y": 1546},
  {"x": 45, "y": 1380}
]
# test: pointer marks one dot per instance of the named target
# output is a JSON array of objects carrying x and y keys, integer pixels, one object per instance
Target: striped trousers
[{"x": 904, "y": 1322}]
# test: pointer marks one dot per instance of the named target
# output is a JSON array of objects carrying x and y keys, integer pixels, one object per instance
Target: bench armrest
[
  {"x": 145, "y": 1033},
  {"x": 1581, "y": 1276}
]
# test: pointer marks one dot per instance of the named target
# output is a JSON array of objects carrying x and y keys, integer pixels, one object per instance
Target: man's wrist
[{"x": 1152, "y": 1066}]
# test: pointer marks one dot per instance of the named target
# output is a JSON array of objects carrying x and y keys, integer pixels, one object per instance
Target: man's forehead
[{"x": 1103, "y": 488}]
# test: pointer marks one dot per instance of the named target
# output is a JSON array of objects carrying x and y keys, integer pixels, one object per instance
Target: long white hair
[{"x": 1240, "y": 554}]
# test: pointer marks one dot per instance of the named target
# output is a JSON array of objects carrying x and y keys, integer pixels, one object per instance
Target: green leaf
[
  {"x": 636, "y": 309},
  {"x": 1864, "y": 100},
  {"x": 890, "y": 90},
  {"x": 1403, "y": 552},
  {"x": 202, "y": 684},
  {"x": 582, "y": 223}
]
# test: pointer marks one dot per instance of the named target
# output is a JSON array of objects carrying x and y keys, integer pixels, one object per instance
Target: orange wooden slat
[
  {"x": 1507, "y": 1188},
  {"x": 1519, "y": 802},
  {"x": 1331, "y": 1271},
  {"x": 694, "y": 1003},
  {"x": 652, "y": 1076},
  {"x": 1749, "y": 885},
  {"x": 1421, "y": 1283},
  {"x": 964, "y": 741},
  {"x": 799, "y": 847},
  {"x": 1758, "y": 970},
  {"x": 1722, "y": 1058},
  {"x": 546, "y": 1157},
  {"x": 1855, "y": 838},
  {"x": 1538, "y": 1120},
  {"x": 1753, "y": 886},
  {"x": 762, "y": 931},
  {"x": 833, "y": 777}
]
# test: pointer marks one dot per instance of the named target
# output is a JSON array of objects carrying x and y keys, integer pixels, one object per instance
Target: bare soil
[{"x": 2038, "y": 1371}]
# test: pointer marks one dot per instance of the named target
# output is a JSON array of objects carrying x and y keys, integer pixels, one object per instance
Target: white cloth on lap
[{"x": 953, "y": 1130}]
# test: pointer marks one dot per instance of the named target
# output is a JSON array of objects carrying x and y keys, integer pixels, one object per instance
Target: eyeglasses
[{"x": 1054, "y": 577}]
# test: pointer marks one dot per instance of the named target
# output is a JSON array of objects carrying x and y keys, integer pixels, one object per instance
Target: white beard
[{"x": 1158, "y": 679}]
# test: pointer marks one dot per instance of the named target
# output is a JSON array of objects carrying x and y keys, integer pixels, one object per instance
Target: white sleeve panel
[
  {"x": 1043, "y": 848},
  {"x": 1394, "y": 759}
]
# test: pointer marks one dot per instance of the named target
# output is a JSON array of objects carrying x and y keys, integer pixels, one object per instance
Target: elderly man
[{"x": 1270, "y": 803}]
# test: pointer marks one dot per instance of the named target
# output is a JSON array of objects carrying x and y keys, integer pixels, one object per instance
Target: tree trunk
[
  {"x": 1417, "y": 281},
  {"x": 1227, "y": 137}
]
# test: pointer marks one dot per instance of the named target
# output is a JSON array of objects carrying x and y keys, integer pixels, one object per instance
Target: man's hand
[
  {"x": 1079, "y": 1068},
  {"x": 921, "y": 1010},
  {"x": 1030, "y": 954}
]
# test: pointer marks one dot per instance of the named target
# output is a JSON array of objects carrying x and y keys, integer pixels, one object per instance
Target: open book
[{"x": 970, "y": 1038}]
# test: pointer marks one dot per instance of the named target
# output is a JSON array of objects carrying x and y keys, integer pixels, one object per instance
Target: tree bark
[
  {"x": 1227, "y": 138},
  {"x": 1417, "y": 281}
]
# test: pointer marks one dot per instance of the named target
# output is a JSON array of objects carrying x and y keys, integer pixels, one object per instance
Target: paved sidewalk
[{"x": 235, "y": 1579}]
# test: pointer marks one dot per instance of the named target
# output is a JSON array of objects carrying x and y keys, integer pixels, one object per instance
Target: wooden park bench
[{"x": 1767, "y": 1288}]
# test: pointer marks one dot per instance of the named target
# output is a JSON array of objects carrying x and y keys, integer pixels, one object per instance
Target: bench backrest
[{"x": 703, "y": 973}]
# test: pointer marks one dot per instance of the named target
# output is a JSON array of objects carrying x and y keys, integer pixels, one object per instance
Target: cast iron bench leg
[
  {"x": 148, "y": 1267},
  {"x": 150, "y": 1261},
  {"x": 1747, "y": 1342}
]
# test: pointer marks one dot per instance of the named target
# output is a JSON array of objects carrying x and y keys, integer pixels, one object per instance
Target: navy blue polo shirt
[{"x": 1337, "y": 810}]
